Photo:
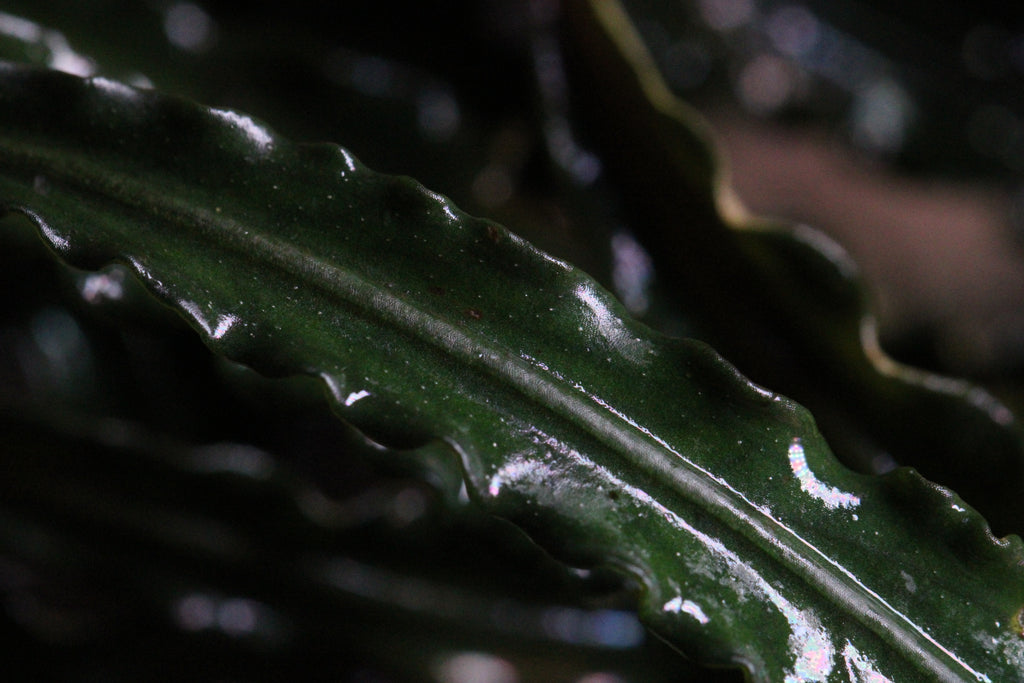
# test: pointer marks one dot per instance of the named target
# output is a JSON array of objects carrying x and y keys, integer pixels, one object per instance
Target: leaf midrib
[{"x": 611, "y": 427}]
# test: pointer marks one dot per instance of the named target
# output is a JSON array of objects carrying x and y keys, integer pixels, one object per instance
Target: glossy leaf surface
[
  {"x": 185, "y": 493},
  {"x": 781, "y": 301},
  {"x": 609, "y": 443}
]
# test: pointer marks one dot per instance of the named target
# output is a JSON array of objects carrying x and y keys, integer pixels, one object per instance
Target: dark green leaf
[
  {"x": 611, "y": 444},
  {"x": 783, "y": 302}
]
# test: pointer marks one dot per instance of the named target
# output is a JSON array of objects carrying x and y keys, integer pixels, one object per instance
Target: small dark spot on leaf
[
  {"x": 436, "y": 291},
  {"x": 494, "y": 233},
  {"x": 613, "y": 495},
  {"x": 474, "y": 313}
]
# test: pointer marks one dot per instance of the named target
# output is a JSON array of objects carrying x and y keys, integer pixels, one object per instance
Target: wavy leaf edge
[{"x": 530, "y": 376}]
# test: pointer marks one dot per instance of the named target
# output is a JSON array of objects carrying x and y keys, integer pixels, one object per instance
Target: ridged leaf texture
[
  {"x": 607, "y": 442},
  {"x": 781, "y": 301}
]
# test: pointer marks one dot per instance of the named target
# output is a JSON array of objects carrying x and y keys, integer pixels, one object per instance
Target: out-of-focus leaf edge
[{"x": 790, "y": 278}]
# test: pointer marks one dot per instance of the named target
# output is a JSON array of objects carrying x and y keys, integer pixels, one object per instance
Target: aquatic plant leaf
[
  {"x": 608, "y": 443},
  {"x": 782, "y": 301}
]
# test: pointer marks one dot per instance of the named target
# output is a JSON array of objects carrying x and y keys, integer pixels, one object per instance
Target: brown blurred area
[
  {"x": 938, "y": 257},
  {"x": 896, "y": 128}
]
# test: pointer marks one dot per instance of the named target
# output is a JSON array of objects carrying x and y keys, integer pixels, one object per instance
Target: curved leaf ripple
[{"x": 609, "y": 443}]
